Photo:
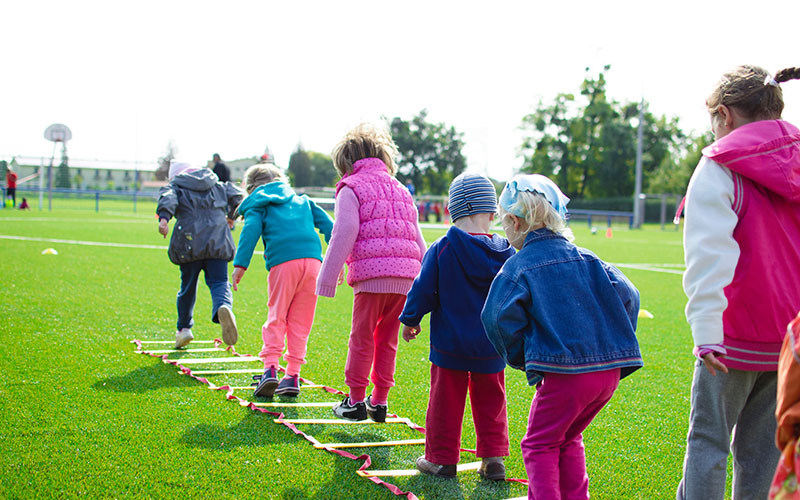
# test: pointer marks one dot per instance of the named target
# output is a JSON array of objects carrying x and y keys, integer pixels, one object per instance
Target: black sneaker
[
  {"x": 376, "y": 412},
  {"x": 289, "y": 386},
  {"x": 353, "y": 412},
  {"x": 443, "y": 471},
  {"x": 268, "y": 383}
]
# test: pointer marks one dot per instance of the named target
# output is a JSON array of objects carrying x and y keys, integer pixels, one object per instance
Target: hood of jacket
[
  {"x": 273, "y": 193},
  {"x": 201, "y": 179},
  {"x": 480, "y": 258},
  {"x": 766, "y": 152}
]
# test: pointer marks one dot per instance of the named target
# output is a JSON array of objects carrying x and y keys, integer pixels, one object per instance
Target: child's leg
[
  {"x": 487, "y": 395},
  {"x": 717, "y": 403},
  {"x": 445, "y": 414},
  {"x": 386, "y": 335},
  {"x": 564, "y": 404},
  {"x": 301, "y": 316},
  {"x": 281, "y": 287},
  {"x": 367, "y": 309},
  {"x": 188, "y": 293},
  {"x": 216, "y": 274},
  {"x": 754, "y": 453}
]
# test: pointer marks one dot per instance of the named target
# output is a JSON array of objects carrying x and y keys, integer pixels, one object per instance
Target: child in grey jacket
[{"x": 201, "y": 241}]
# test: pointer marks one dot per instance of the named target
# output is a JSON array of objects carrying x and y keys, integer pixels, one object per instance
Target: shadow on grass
[
  {"x": 146, "y": 378},
  {"x": 255, "y": 429}
]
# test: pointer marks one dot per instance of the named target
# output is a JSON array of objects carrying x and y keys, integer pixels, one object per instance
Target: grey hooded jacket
[{"x": 200, "y": 205}]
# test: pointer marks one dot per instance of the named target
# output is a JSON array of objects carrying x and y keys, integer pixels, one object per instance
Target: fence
[{"x": 85, "y": 199}]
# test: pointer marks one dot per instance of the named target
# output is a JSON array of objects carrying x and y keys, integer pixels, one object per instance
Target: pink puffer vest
[{"x": 386, "y": 245}]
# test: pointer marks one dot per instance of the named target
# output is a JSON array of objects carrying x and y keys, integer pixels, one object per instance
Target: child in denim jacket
[{"x": 567, "y": 319}]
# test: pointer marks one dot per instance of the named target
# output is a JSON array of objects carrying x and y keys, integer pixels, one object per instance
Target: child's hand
[
  {"x": 231, "y": 223},
  {"x": 236, "y": 277},
  {"x": 163, "y": 227},
  {"x": 410, "y": 332},
  {"x": 713, "y": 364},
  {"x": 340, "y": 280}
]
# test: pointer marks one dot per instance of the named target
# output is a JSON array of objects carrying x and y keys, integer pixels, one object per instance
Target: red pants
[
  {"x": 373, "y": 344},
  {"x": 487, "y": 395}
]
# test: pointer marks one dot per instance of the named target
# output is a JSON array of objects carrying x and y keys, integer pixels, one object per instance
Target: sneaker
[
  {"x": 289, "y": 386},
  {"x": 269, "y": 381},
  {"x": 444, "y": 471},
  {"x": 376, "y": 412},
  {"x": 492, "y": 468},
  {"x": 183, "y": 337},
  {"x": 228, "y": 321},
  {"x": 354, "y": 412}
]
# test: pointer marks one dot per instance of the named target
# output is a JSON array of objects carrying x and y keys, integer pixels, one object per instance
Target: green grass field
[{"x": 83, "y": 415}]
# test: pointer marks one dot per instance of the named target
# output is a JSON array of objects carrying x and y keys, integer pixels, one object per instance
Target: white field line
[
  {"x": 83, "y": 220},
  {"x": 657, "y": 268}
]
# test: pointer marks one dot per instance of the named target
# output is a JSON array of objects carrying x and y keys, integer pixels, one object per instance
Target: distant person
[
  {"x": 567, "y": 319},
  {"x": 285, "y": 223},
  {"x": 410, "y": 187},
  {"x": 437, "y": 210},
  {"x": 376, "y": 233},
  {"x": 24, "y": 205},
  {"x": 741, "y": 236},
  {"x": 221, "y": 169},
  {"x": 457, "y": 271},
  {"x": 11, "y": 186},
  {"x": 201, "y": 241}
]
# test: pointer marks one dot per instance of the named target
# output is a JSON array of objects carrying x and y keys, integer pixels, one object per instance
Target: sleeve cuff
[
  {"x": 326, "y": 290},
  {"x": 702, "y": 350},
  {"x": 240, "y": 267}
]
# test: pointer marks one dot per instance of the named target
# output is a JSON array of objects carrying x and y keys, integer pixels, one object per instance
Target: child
[
  {"x": 376, "y": 233},
  {"x": 201, "y": 241},
  {"x": 568, "y": 319},
  {"x": 741, "y": 236},
  {"x": 285, "y": 222},
  {"x": 453, "y": 283},
  {"x": 24, "y": 205},
  {"x": 784, "y": 484}
]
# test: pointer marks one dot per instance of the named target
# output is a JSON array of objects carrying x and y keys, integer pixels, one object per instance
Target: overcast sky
[{"x": 235, "y": 77}]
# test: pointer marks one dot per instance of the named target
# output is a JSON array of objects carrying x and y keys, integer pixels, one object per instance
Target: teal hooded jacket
[{"x": 285, "y": 222}]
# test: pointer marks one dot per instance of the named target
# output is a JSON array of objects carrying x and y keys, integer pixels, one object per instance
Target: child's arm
[
  {"x": 628, "y": 293},
  {"x": 423, "y": 296},
  {"x": 343, "y": 237},
  {"x": 235, "y": 197},
  {"x": 423, "y": 247},
  {"x": 251, "y": 231},
  {"x": 322, "y": 221},
  {"x": 505, "y": 319},
  {"x": 167, "y": 203}
]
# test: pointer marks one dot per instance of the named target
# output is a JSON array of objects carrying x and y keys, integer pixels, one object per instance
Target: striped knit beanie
[{"x": 471, "y": 194}]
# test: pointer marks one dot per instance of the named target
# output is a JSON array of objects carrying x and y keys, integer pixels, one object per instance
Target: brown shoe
[
  {"x": 444, "y": 471},
  {"x": 493, "y": 469}
]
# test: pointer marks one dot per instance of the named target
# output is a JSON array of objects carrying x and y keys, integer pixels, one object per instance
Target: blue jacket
[
  {"x": 285, "y": 222},
  {"x": 452, "y": 285},
  {"x": 555, "y": 307}
]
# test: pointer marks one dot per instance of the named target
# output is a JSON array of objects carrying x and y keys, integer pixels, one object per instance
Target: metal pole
[
  {"x": 637, "y": 209},
  {"x": 41, "y": 183}
]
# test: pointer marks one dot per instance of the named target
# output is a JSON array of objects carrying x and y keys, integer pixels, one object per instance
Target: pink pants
[
  {"x": 487, "y": 394},
  {"x": 291, "y": 304},
  {"x": 373, "y": 344},
  {"x": 552, "y": 450}
]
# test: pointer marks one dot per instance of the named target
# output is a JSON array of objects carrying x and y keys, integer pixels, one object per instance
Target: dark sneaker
[
  {"x": 228, "y": 322},
  {"x": 289, "y": 386},
  {"x": 269, "y": 381},
  {"x": 444, "y": 471},
  {"x": 376, "y": 412},
  {"x": 492, "y": 468},
  {"x": 354, "y": 412}
]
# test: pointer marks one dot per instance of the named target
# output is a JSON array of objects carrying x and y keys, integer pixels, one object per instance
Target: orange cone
[{"x": 609, "y": 233}]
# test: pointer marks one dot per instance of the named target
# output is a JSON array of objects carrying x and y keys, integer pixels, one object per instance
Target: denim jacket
[{"x": 558, "y": 308}]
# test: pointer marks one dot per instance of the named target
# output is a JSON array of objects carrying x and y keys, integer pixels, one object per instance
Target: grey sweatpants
[{"x": 742, "y": 402}]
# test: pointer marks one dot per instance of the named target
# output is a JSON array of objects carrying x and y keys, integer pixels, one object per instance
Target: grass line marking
[
  {"x": 396, "y": 442},
  {"x": 275, "y": 404},
  {"x": 223, "y": 372},
  {"x": 232, "y": 359},
  {"x": 172, "y": 342},
  {"x": 85, "y": 243},
  {"x": 412, "y": 472},
  {"x": 171, "y": 351}
]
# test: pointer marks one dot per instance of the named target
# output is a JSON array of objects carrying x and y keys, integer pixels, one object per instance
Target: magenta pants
[
  {"x": 292, "y": 300},
  {"x": 487, "y": 394},
  {"x": 552, "y": 450},
  {"x": 372, "y": 351}
]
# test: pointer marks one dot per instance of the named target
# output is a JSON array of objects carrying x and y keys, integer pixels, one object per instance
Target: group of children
[{"x": 532, "y": 299}]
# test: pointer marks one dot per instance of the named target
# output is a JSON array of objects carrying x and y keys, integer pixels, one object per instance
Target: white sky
[{"x": 234, "y": 77}]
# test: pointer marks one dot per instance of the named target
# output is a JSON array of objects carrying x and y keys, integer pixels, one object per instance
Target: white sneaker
[
  {"x": 183, "y": 337},
  {"x": 228, "y": 322}
]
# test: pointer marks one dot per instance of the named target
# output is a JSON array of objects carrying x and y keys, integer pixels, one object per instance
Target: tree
[
  {"x": 162, "y": 172},
  {"x": 322, "y": 171},
  {"x": 300, "y": 167},
  {"x": 430, "y": 153},
  {"x": 62, "y": 179}
]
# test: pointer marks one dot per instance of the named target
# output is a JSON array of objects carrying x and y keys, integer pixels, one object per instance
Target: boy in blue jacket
[{"x": 456, "y": 274}]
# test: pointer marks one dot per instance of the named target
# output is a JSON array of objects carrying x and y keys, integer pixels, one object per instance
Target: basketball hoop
[{"x": 58, "y": 133}]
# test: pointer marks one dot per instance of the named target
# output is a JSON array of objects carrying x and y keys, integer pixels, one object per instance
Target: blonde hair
[
  {"x": 537, "y": 211},
  {"x": 748, "y": 89},
  {"x": 365, "y": 141},
  {"x": 260, "y": 174}
]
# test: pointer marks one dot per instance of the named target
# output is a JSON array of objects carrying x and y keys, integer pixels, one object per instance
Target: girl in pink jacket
[
  {"x": 377, "y": 235},
  {"x": 741, "y": 242}
]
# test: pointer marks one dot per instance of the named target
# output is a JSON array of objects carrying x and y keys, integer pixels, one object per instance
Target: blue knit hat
[{"x": 471, "y": 194}]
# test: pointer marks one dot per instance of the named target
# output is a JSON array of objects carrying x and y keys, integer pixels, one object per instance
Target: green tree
[
  {"x": 430, "y": 153},
  {"x": 62, "y": 179},
  {"x": 300, "y": 168},
  {"x": 673, "y": 176},
  {"x": 322, "y": 171}
]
